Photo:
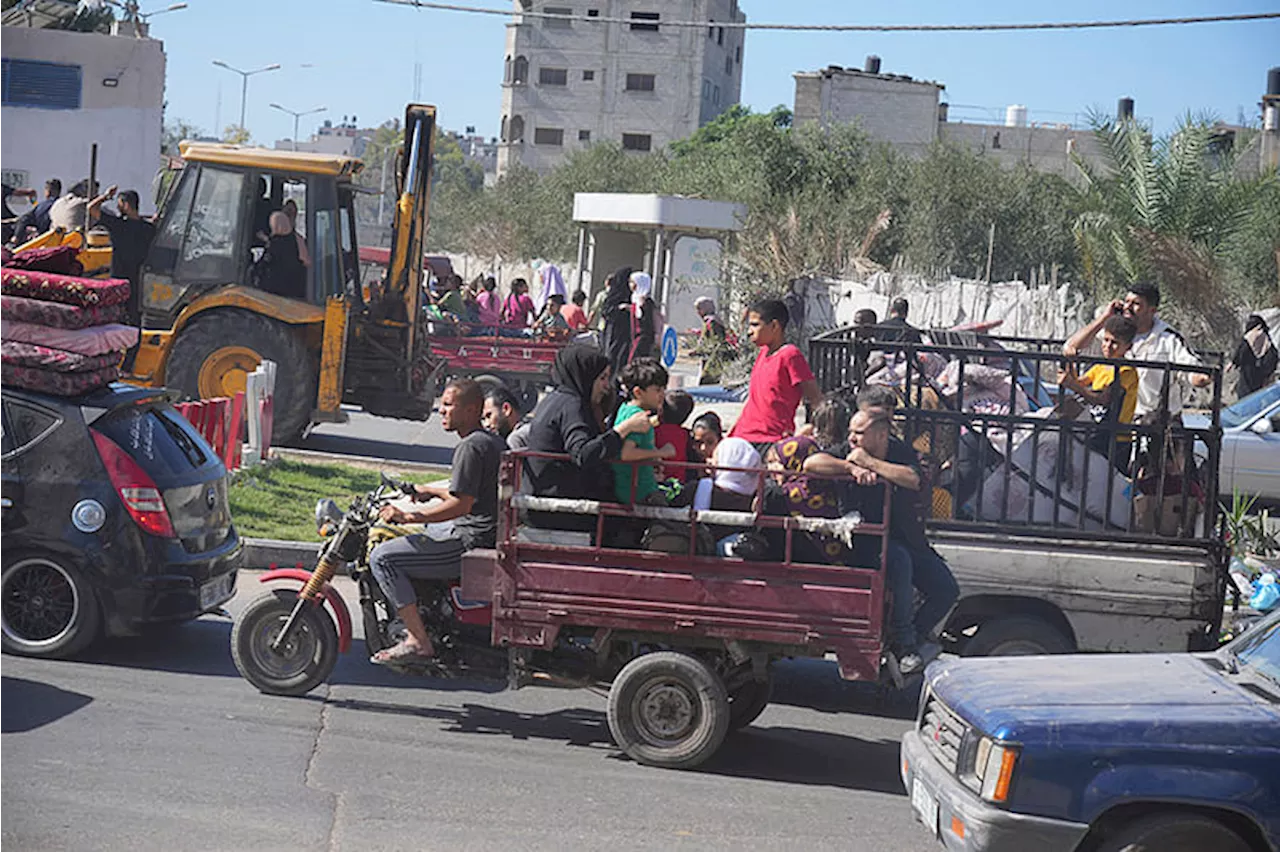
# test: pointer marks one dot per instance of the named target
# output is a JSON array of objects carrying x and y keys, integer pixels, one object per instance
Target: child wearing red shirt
[
  {"x": 780, "y": 379},
  {"x": 676, "y": 409}
]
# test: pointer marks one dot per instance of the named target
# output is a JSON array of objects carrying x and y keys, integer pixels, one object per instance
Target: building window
[
  {"x": 515, "y": 129},
  {"x": 44, "y": 85},
  {"x": 737, "y": 54},
  {"x": 728, "y": 65},
  {"x": 720, "y": 35},
  {"x": 584, "y": 135},
  {"x": 995, "y": 140},
  {"x": 711, "y": 30},
  {"x": 637, "y": 142},
  {"x": 715, "y": 95},
  {"x": 640, "y": 82},
  {"x": 548, "y": 136},
  {"x": 520, "y": 71},
  {"x": 588, "y": 76},
  {"x": 553, "y": 76},
  {"x": 593, "y": 13},
  {"x": 555, "y": 24},
  {"x": 645, "y": 22},
  {"x": 502, "y": 134}
]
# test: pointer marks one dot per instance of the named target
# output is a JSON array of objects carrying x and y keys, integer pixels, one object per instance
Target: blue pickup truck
[{"x": 1102, "y": 753}]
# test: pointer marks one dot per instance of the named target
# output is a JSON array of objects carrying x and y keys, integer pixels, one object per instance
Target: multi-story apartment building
[{"x": 572, "y": 83}]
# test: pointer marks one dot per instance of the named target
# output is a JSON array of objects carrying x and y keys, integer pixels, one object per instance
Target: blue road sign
[{"x": 670, "y": 346}]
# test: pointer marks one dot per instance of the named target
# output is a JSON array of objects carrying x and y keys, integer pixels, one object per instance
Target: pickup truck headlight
[{"x": 993, "y": 768}]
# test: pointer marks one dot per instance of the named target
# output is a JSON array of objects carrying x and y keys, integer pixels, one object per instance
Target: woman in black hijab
[
  {"x": 1255, "y": 357},
  {"x": 570, "y": 421},
  {"x": 617, "y": 319}
]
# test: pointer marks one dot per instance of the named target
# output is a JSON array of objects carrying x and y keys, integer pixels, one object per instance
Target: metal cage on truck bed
[{"x": 1011, "y": 453}]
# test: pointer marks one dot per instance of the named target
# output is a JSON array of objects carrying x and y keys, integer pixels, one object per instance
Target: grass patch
[{"x": 278, "y": 500}]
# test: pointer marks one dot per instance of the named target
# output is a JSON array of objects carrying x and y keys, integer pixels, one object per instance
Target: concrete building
[
  {"x": 569, "y": 84},
  {"x": 910, "y": 115},
  {"x": 891, "y": 108},
  {"x": 64, "y": 91},
  {"x": 344, "y": 139}
]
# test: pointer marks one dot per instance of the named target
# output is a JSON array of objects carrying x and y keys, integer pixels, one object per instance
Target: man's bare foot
[{"x": 407, "y": 651}]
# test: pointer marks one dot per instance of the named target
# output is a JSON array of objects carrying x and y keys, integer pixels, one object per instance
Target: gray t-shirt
[{"x": 475, "y": 474}]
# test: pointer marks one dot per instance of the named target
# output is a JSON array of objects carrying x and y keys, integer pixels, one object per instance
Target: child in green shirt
[{"x": 644, "y": 381}]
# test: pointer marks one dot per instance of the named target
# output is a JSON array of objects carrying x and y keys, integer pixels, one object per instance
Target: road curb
[
  {"x": 263, "y": 553},
  {"x": 366, "y": 462}
]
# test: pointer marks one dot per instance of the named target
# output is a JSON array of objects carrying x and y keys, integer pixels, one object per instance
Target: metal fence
[{"x": 1008, "y": 451}]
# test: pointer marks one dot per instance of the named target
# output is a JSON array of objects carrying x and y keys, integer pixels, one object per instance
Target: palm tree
[{"x": 1166, "y": 209}]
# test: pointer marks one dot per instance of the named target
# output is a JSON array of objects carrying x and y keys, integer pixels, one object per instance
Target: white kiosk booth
[{"x": 673, "y": 238}]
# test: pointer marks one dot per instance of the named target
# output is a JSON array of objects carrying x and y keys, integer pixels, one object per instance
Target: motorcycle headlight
[
  {"x": 327, "y": 513},
  {"x": 993, "y": 768}
]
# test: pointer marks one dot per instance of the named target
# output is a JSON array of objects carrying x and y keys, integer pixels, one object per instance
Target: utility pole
[
  {"x": 244, "y": 81},
  {"x": 296, "y": 116}
]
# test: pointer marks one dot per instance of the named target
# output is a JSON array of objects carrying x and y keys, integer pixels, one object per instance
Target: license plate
[
  {"x": 925, "y": 805},
  {"x": 216, "y": 592}
]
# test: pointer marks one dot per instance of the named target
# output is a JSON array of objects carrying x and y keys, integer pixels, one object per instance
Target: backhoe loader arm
[{"x": 409, "y": 228}]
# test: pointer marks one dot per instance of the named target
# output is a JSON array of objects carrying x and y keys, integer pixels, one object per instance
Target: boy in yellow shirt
[{"x": 1110, "y": 391}]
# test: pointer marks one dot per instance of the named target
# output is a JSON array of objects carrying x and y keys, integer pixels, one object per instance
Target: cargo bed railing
[
  {"x": 989, "y": 438},
  {"x": 514, "y": 503}
]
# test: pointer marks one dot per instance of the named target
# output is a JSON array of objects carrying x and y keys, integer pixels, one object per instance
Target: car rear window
[{"x": 162, "y": 441}]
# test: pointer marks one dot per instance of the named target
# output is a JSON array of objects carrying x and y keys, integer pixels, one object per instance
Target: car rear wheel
[
  {"x": 48, "y": 609},
  {"x": 1017, "y": 636},
  {"x": 1174, "y": 833}
]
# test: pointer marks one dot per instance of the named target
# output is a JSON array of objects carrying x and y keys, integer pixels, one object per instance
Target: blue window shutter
[{"x": 44, "y": 85}]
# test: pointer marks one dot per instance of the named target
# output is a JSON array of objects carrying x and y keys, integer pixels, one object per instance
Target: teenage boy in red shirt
[{"x": 780, "y": 379}]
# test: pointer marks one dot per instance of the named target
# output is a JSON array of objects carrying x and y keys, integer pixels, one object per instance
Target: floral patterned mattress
[{"x": 64, "y": 289}]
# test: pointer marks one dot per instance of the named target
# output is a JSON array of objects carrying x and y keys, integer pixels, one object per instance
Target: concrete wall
[
  {"x": 1046, "y": 149},
  {"x": 688, "y": 67},
  {"x": 125, "y": 120},
  {"x": 890, "y": 109}
]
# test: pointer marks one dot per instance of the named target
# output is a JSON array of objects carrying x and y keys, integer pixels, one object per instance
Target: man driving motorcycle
[{"x": 469, "y": 502}]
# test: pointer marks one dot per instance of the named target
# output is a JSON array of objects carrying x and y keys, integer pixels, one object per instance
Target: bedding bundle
[{"x": 62, "y": 334}]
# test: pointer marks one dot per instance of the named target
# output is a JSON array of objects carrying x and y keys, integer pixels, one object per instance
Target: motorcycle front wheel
[{"x": 304, "y": 662}]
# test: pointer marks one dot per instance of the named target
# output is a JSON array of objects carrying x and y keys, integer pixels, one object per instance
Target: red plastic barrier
[{"x": 219, "y": 422}]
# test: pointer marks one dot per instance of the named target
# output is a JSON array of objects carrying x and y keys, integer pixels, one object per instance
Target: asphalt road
[
  {"x": 156, "y": 743},
  {"x": 424, "y": 442}
]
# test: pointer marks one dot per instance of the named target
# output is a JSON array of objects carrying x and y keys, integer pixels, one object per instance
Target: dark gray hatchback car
[{"x": 115, "y": 517}]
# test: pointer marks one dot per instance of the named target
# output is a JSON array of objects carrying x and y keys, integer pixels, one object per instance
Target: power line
[{"x": 846, "y": 28}]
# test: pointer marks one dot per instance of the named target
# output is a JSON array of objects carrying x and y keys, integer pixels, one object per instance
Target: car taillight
[{"x": 137, "y": 490}]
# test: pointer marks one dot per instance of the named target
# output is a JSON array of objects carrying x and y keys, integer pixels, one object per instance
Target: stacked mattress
[{"x": 61, "y": 334}]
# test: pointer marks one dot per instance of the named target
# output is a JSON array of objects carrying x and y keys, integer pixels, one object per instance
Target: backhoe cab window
[{"x": 210, "y": 252}]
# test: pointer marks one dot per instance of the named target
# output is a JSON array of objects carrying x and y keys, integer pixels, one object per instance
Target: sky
[{"x": 357, "y": 57}]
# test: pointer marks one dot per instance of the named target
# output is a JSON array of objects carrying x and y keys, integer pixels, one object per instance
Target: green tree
[
  {"x": 1169, "y": 209},
  {"x": 174, "y": 132},
  {"x": 234, "y": 134}
]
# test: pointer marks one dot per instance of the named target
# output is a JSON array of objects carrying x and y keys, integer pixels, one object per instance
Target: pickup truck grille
[{"x": 943, "y": 732}]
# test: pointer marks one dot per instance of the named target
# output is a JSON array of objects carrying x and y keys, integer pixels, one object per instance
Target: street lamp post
[
  {"x": 244, "y": 84},
  {"x": 296, "y": 116}
]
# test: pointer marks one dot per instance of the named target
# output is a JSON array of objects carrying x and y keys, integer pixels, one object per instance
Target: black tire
[
  {"x": 47, "y": 609},
  {"x": 1017, "y": 635},
  {"x": 295, "y": 394},
  {"x": 1171, "y": 832},
  {"x": 668, "y": 709},
  {"x": 748, "y": 701},
  {"x": 306, "y": 662}
]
